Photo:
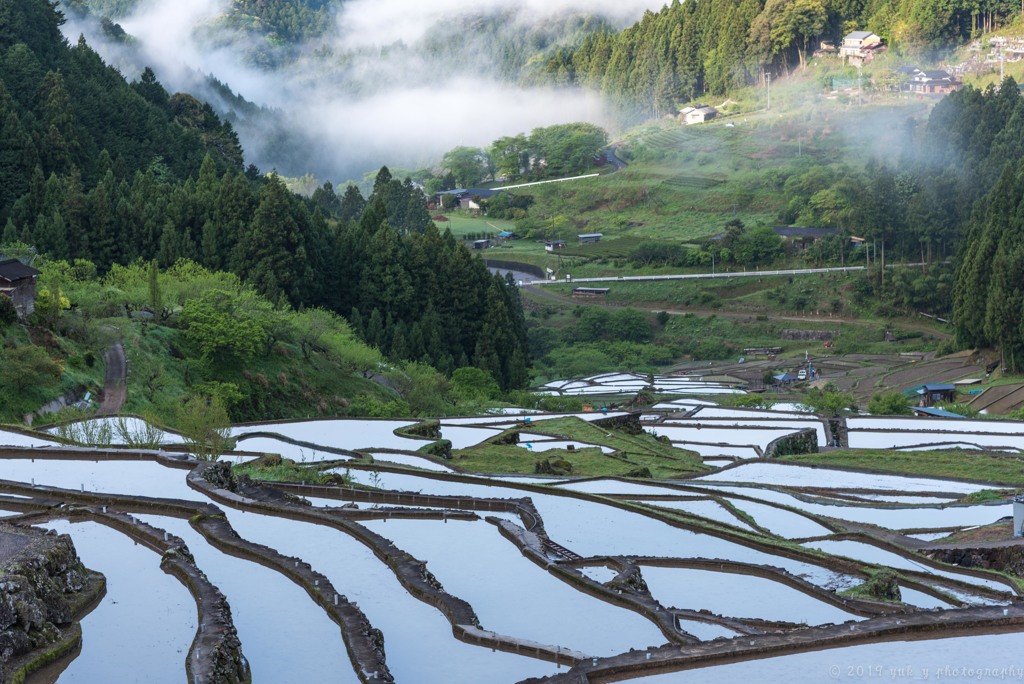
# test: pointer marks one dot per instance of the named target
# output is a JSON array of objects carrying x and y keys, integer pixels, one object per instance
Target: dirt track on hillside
[{"x": 115, "y": 389}]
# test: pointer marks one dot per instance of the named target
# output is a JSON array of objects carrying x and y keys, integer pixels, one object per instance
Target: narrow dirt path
[{"x": 115, "y": 389}]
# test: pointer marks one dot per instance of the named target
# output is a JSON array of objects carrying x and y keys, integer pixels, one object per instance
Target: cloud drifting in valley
[{"x": 408, "y": 114}]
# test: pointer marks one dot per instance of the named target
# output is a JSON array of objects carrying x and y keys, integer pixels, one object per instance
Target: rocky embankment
[{"x": 43, "y": 589}]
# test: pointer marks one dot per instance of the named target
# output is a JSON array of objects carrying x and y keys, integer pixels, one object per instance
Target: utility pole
[{"x": 768, "y": 79}]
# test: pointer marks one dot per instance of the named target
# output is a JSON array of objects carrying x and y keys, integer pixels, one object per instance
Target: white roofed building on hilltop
[{"x": 859, "y": 47}]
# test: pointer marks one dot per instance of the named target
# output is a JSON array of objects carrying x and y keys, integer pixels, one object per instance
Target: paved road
[
  {"x": 115, "y": 390},
  {"x": 700, "y": 276}
]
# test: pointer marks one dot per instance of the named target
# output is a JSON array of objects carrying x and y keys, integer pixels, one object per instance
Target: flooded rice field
[
  {"x": 142, "y": 629},
  {"x": 982, "y": 658},
  {"x": 406, "y": 570}
]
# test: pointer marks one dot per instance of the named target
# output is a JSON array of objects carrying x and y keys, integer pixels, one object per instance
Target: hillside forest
[{"x": 98, "y": 175}]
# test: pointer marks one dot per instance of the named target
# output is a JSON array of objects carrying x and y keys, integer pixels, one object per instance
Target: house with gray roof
[{"x": 18, "y": 283}]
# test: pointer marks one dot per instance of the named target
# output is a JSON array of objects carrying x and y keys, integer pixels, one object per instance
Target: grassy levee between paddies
[
  {"x": 633, "y": 452},
  {"x": 960, "y": 464}
]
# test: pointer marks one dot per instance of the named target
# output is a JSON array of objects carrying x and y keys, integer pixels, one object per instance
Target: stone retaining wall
[
  {"x": 629, "y": 423},
  {"x": 1009, "y": 559},
  {"x": 802, "y": 442},
  {"x": 44, "y": 588},
  {"x": 819, "y": 335}
]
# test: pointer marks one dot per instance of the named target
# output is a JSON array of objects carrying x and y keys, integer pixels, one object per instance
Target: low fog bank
[{"x": 368, "y": 93}]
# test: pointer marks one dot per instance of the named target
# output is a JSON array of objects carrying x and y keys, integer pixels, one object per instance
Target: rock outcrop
[{"x": 43, "y": 588}]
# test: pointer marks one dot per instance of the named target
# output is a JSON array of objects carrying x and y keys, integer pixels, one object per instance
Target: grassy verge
[
  {"x": 284, "y": 471},
  {"x": 633, "y": 452},
  {"x": 954, "y": 463},
  {"x": 462, "y": 224}
]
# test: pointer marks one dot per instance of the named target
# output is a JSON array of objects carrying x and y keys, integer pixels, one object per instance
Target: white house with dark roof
[{"x": 935, "y": 82}]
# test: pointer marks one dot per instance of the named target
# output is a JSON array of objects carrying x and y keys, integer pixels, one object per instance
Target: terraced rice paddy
[{"x": 413, "y": 572}]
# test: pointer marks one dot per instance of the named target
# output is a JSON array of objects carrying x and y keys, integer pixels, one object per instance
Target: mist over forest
[{"x": 337, "y": 89}]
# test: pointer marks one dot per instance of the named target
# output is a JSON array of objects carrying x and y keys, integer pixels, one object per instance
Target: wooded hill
[
  {"x": 94, "y": 168},
  {"x": 698, "y": 47}
]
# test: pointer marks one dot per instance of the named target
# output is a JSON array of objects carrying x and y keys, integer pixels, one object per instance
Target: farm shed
[{"x": 18, "y": 282}]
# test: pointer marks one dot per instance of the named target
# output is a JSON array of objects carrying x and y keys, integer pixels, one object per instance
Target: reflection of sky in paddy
[
  {"x": 936, "y": 425},
  {"x": 549, "y": 444},
  {"x": 711, "y": 510},
  {"x": 474, "y": 562},
  {"x": 729, "y": 594},
  {"x": 297, "y": 453},
  {"x": 801, "y": 476},
  {"x": 8, "y": 438},
  {"x": 898, "y": 518},
  {"x": 120, "y": 429},
  {"x": 783, "y": 523},
  {"x": 864, "y": 439},
  {"x": 959, "y": 659},
  {"x": 343, "y": 434},
  {"x": 594, "y": 529},
  {"x": 143, "y": 626},
  {"x": 628, "y": 383},
  {"x": 719, "y": 423},
  {"x": 716, "y": 412},
  {"x": 463, "y": 437},
  {"x": 139, "y": 478},
  {"x": 409, "y": 460},
  {"x": 712, "y": 435},
  {"x": 872, "y": 554},
  {"x": 739, "y": 451},
  {"x": 285, "y": 636}
]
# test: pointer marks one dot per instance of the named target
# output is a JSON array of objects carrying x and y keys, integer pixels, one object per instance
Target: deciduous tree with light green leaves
[
  {"x": 828, "y": 401},
  {"x": 203, "y": 422},
  {"x": 227, "y": 327},
  {"x": 889, "y": 404}
]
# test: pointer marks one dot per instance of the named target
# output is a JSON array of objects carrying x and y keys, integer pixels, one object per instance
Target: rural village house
[
  {"x": 933, "y": 82},
  {"x": 18, "y": 282},
  {"x": 698, "y": 114},
  {"x": 860, "y": 47}
]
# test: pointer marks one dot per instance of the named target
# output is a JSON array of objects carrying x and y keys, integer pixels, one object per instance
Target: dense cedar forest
[
  {"x": 689, "y": 49},
  {"x": 682, "y": 52},
  {"x": 94, "y": 168},
  {"x": 988, "y": 136}
]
